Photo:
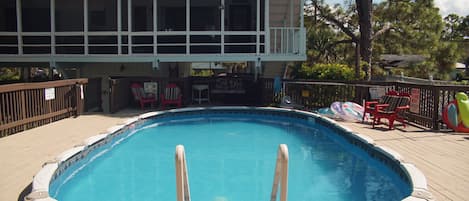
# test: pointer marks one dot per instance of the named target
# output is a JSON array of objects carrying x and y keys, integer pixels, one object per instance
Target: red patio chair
[
  {"x": 394, "y": 111},
  {"x": 141, "y": 97},
  {"x": 172, "y": 95},
  {"x": 369, "y": 106}
]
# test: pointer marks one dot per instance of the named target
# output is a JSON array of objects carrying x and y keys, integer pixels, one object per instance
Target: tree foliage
[
  {"x": 9, "y": 74},
  {"x": 323, "y": 71},
  {"x": 456, "y": 27},
  {"x": 398, "y": 27}
]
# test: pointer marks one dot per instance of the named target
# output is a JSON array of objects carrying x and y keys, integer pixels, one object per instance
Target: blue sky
[{"x": 459, "y": 7}]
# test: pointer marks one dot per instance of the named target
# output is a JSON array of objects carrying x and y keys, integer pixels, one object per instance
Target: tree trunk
[
  {"x": 357, "y": 60},
  {"x": 364, "y": 8}
]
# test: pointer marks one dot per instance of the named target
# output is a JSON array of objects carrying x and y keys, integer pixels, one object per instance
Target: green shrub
[
  {"x": 327, "y": 72},
  {"x": 202, "y": 73},
  {"x": 7, "y": 73}
]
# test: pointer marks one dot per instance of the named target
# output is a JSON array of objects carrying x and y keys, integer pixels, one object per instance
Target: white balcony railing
[{"x": 277, "y": 41}]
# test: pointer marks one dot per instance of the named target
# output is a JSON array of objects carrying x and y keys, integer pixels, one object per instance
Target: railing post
[
  {"x": 436, "y": 106},
  {"x": 23, "y": 108}
]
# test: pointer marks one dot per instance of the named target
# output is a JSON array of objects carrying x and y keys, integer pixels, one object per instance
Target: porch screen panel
[
  {"x": 8, "y": 44},
  {"x": 240, "y": 15},
  {"x": 124, "y": 18},
  {"x": 8, "y": 15},
  {"x": 142, "y": 15},
  {"x": 36, "y": 15},
  {"x": 68, "y": 15},
  {"x": 205, "y": 15},
  {"x": 102, "y": 15},
  {"x": 171, "y": 15}
]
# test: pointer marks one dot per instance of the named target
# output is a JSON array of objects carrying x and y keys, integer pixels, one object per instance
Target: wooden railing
[
  {"x": 28, "y": 105},
  {"x": 432, "y": 98},
  {"x": 281, "y": 174},
  {"x": 182, "y": 180}
]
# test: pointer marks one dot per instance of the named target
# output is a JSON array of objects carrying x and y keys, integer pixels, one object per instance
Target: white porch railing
[
  {"x": 287, "y": 40},
  {"x": 283, "y": 41}
]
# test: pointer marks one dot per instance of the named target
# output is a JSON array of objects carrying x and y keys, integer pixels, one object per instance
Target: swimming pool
[{"x": 231, "y": 154}]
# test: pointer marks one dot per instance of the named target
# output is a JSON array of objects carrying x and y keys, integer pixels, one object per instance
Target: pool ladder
[
  {"x": 280, "y": 176},
  {"x": 182, "y": 181}
]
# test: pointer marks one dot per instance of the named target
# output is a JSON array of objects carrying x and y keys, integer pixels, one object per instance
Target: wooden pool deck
[{"x": 442, "y": 157}]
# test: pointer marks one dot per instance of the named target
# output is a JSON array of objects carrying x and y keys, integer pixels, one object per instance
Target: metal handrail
[
  {"x": 281, "y": 174},
  {"x": 182, "y": 181}
]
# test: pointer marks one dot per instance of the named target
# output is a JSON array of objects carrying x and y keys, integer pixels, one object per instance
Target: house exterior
[{"x": 102, "y": 38}]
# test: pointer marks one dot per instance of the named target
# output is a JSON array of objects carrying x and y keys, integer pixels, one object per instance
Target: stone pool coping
[{"x": 41, "y": 181}]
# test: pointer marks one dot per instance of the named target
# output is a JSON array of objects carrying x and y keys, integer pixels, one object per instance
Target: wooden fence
[
  {"x": 28, "y": 105},
  {"x": 253, "y": 92},
  {"x": 429, "y": 99}
]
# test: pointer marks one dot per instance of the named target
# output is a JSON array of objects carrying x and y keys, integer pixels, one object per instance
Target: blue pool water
[{"x": 230, "y": 159}]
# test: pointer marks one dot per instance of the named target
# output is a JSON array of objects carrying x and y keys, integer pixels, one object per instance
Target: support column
[
  {"x": 155, "y": 27},
  {"x": 188, "y": 26},
  {"x": 291, "y": 13},
  {"x": 222, "y": 28},
  {"x": 290, "y": 30},
  {"x": 267, "y": 26},
  {"x": 302, "y": 15},
  {"x": 52, "y": 27},
  {"x": 85, "y": 26},
  {"x": 119, "y": 27},
  {"x": 258, "y": 26},
  {"x": 19, "y": 26},
  {"x": 129, "y": 26}
]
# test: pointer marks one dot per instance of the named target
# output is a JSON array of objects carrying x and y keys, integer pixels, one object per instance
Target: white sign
[
  {"x": 414, "y": 100},
  {"x": 82, "y": 93},
  {"x": 150, "y": 87},
  {"x": 49, "y": 93}
]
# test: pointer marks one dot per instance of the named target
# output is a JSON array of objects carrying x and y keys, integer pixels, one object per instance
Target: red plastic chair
[
  {"x": 394, "y": 111},
  {"x": 171, "y": 96},
  {"x": 369, "y": 106},
  {"x": 141, "y": 97}
]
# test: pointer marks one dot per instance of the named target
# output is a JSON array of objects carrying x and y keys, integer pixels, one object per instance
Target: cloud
[{"x": 459, "y": 7}]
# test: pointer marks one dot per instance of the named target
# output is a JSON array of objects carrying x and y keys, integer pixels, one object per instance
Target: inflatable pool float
[
  {"x": 347, "y": 111},
  {"x": 353, "y": 111},
  {"x": 327, "y": 112},
  {"x": 456, "y": 113}
]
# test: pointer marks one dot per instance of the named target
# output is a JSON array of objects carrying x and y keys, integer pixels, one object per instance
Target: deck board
[{"x": 442, "y": 157}]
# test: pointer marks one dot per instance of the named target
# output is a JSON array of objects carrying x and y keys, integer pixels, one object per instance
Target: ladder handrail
[
  {"x": 281, "y": 174},
  {"x": 182, "y": 181}
]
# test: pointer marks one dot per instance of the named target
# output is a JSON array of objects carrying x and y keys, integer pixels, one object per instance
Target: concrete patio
[{"x": 442, "y": 157}]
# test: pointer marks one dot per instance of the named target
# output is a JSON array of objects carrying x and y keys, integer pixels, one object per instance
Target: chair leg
[{"x": 391, "y": 122}]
